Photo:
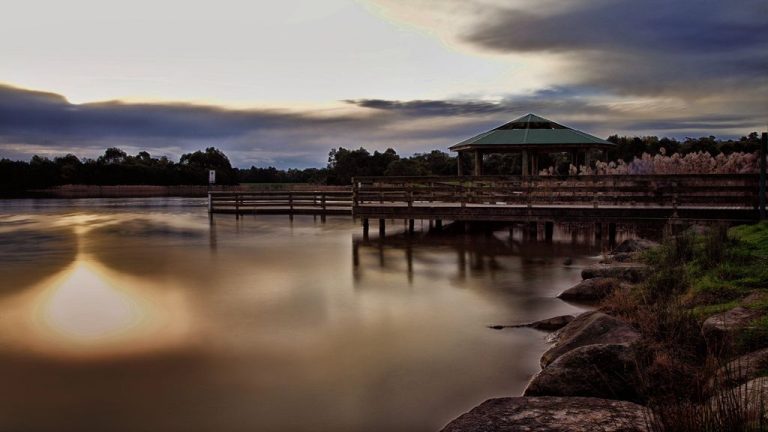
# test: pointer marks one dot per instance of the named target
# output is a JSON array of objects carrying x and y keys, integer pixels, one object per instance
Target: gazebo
[{"x": 531, "y": 135}]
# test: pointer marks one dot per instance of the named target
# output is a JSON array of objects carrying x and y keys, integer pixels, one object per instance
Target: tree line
[{"x": 116, "y": 167}]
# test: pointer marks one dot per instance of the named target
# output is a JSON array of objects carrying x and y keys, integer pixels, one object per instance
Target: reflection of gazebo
[{"x": 531, "y": 136}]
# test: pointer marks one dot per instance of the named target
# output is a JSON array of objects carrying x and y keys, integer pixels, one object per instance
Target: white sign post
[{"x": 212, "y": 177}]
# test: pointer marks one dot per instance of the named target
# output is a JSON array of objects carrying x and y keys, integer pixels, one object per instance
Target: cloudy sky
[{"x": 281, "y": 82}]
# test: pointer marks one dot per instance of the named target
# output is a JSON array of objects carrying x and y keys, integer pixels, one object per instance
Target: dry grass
[{"x": 678, "y": 374}]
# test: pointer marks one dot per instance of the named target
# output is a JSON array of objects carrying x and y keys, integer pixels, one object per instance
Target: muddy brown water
[{"x": 141, "y": 315}]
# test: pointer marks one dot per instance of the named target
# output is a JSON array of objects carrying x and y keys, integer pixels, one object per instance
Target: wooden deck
[
  {"x": 618, "y": 198},
  {"x": 311, "y": 202},
  {"x": 606, "y": 198}
]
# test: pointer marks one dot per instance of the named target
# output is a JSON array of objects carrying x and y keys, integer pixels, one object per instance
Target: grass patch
[{"x": 697, "y": 275}]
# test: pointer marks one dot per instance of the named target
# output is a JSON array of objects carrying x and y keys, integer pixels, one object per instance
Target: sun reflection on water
[{"x": 88, "y": 309}]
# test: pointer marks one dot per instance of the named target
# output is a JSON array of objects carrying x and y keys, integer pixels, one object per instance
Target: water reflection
[
  {"x": 153, "y": 317},
  {"x": 87, "y": 308}
]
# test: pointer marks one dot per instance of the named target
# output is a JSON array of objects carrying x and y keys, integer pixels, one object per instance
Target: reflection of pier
[{"x": 475, "y": 254}]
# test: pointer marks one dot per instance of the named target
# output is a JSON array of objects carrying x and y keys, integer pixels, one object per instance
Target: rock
[
  {"x": 590, "y": 290},
  {"x": 632, "y": 272},
  {"x": 554, "y": 323},
  {"x": 550, "y": 414},
  {"x": 568, "y": 261},
  {"x": 742, "y": 369},
  {"x": 549, "y": 324},
  {"x": 618, "y": 257},
  {"x": 721, "y": 328},
  {"x": 754, "y": 297},
  {"x": 589, "y": 328},
  {"x": 750, "y": 397},
  {"x": 605, "y": 371},
  {"x": 634, "y": 245}
]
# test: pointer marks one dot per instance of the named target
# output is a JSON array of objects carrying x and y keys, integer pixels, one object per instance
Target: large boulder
[
  {"x": 742, "y": 369},
  {"x": 631, "y": 272},
  {"x": 552, "y": 414},
  {"x": 723, "y": 327},
  {"x": 634, "y": 245},
  {"x": 590, "y": 290},
  {"x": 590, "y": 328},
  {"x": 605, "y": 371}
]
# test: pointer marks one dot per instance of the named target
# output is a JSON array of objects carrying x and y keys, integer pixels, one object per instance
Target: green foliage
[
  {"x": 754, "y": 336},
  {"x": 115, "y": 167}
]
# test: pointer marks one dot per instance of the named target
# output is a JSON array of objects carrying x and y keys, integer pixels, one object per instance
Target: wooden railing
[
  {"x": 281, "y": 202},
  {"x": 715, "y": 190}
]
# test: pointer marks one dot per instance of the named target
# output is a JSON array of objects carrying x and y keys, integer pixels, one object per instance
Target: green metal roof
[{"x": 530, "y": 130}]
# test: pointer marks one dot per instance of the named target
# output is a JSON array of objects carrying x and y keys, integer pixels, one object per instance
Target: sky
[{"x": 280, "y": 83}]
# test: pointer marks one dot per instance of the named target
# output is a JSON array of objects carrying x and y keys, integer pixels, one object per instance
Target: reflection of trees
[
  {"x": 29, "y": 256},
  {"x": 128, "y": 246}
]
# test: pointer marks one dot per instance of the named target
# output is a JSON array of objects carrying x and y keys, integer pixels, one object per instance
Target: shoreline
[
  {"x": 150, "y": 191},
  {"x": 650, "y": 357}
]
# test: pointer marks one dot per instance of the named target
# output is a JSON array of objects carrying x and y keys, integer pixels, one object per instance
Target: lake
[{"x": 142, "y": 315}]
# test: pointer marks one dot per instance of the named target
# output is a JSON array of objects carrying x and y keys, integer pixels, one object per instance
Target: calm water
[{"x": 139, "y": 315}]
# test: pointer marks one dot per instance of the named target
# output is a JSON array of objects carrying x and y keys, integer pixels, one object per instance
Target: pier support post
[
  {"x": 410, "y": 226},
  {"x": 549, "y": 230},
  {"x": 612, "y": 233},
  {"x": 382, "y": 227},
  {"x": 365, "y": 228},
  {"x": 533, "y": 230},
  {"x": 598, "y": 230},
  {"x": 438, "y": 224}
]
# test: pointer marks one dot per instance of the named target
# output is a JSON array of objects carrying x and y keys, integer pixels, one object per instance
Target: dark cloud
[
  {"x": 38, "y": 120},
  {"x": 640, "y": 47},
  {"x": 556, "y": 99},
  {"x": 432, "y": 107},
  {"x": 44, "y": 123}
]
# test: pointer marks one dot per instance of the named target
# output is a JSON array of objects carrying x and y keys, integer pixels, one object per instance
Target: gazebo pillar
[
  {"x": 478, "y": 163},
  {"x": 525, "y": 163},
  {"x": 459, "y": 165},
  {"x": 586, "y": 157},
  {"x": 575, "y": 158}
]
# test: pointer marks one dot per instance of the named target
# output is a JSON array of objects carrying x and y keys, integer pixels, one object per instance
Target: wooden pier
[
  {"x": 610, "y": 199},
  {"x": 605, "y": 199},
  {"x": 310, "y": 202}
]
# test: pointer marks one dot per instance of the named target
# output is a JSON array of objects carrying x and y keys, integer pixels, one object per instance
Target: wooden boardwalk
[
  {"x": 311, "y": 202},
  {"x": 604, "y": 199}
]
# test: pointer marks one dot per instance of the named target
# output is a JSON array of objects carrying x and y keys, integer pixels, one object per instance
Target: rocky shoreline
[{"x": 590, "y": 377}]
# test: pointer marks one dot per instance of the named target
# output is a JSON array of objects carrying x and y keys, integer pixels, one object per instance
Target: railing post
[
  {"x": 322, "y": 202},
  {"x": 290, "y": 201},
  {"x": 674, "y": 199},
  {"x": 210, "y": 203},
  {"x": 237, "y": 206},
  {"x": 763, "y": 150}
]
